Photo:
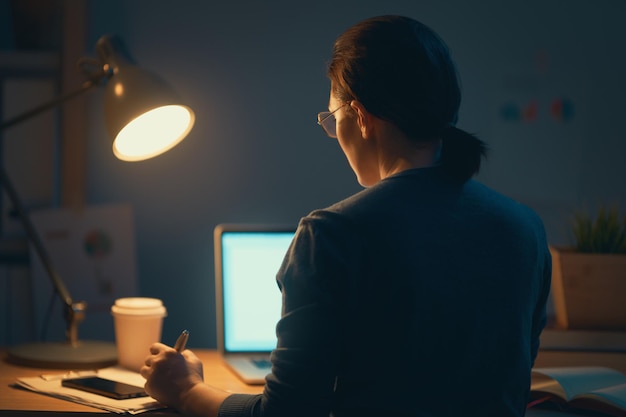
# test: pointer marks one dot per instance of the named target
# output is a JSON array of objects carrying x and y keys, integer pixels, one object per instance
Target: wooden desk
[{"x": 217, "y": 374}]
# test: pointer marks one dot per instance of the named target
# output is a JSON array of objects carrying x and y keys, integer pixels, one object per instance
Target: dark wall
[{"x": 254, "y": 74}]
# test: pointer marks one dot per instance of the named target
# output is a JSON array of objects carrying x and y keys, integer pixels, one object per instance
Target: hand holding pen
[{"x": 181, "y": 342}]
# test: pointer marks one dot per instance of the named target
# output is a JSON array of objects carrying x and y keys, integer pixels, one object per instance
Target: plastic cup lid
[{"x": 139, "y": 306}]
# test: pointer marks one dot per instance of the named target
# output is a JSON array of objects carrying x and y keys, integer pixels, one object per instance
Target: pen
[{"x": 181, "y": 342}]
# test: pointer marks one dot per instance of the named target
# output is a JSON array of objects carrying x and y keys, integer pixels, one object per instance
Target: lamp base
[{"x": 62, "y": 355}]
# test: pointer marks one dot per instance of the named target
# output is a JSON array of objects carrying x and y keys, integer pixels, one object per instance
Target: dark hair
[{"x": 402, "y": 72}]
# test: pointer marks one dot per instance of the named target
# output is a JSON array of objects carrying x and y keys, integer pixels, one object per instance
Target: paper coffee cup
[{"x": 138, "y": 323}]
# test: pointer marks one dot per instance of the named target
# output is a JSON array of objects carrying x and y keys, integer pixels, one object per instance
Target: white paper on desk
[{"x": 53, "y": 387}]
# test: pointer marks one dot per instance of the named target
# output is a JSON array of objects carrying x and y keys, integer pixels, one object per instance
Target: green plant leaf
[{"x": 604, "y": 234}]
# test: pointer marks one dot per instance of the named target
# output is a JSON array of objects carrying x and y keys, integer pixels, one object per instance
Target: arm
[{"x": 306, "y": 360}]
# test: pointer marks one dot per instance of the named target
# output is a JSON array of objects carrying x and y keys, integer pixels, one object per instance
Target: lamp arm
[
  {"x": 33, "y": 236},
  {"x": 74, "y": 313},
  {"x": 86, "y": 86}
]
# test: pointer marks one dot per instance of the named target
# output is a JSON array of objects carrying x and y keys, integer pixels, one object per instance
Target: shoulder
[
  {"x": 515, "y": 226},
  {"x": 500, "y": 206},
  {"x": 389, "y": 192}
]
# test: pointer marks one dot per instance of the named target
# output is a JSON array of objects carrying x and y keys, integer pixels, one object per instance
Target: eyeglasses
[{"x": 327, "y": 120}]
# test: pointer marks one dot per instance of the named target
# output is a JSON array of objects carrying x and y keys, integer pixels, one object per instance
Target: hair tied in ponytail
[{"x": 461, "y": 153}]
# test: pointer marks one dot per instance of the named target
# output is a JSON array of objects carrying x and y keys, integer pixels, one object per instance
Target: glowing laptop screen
[{"x": 251, "y": 298}]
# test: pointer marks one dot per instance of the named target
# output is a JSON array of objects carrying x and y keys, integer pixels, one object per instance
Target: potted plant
[{"x": 589, "y": 279}]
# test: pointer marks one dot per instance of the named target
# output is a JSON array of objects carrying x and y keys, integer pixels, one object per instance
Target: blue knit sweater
[{"x": 415, "y": 297}]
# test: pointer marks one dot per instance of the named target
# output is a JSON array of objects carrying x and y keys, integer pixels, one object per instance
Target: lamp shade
[{"x": 142, "y": 113}]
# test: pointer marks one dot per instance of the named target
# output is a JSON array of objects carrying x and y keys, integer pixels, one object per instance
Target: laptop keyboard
[{"x": 262, "y": 363}]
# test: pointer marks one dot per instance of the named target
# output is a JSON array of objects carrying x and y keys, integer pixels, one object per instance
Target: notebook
[{"x": 248, "y": 300}]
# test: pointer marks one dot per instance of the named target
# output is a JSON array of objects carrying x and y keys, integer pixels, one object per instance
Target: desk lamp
[{"x": 144, "y": 117}]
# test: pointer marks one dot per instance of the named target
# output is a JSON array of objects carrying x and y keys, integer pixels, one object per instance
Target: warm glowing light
[
  {"x": 153, "y": 133},
  {"x": 119, "y": 89}
]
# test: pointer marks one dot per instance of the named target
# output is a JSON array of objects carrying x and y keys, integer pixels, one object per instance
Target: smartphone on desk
[{"x": 106, "y": 387}]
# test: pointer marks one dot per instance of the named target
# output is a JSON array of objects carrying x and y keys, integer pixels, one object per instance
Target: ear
[{"x": 365, "y": 119}]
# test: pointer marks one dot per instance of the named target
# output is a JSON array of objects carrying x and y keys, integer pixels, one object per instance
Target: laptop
[{"x": 248, "y": 300}]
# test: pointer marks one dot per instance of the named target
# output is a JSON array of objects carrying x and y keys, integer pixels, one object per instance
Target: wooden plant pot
[{"x": 588, "y": 290}]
